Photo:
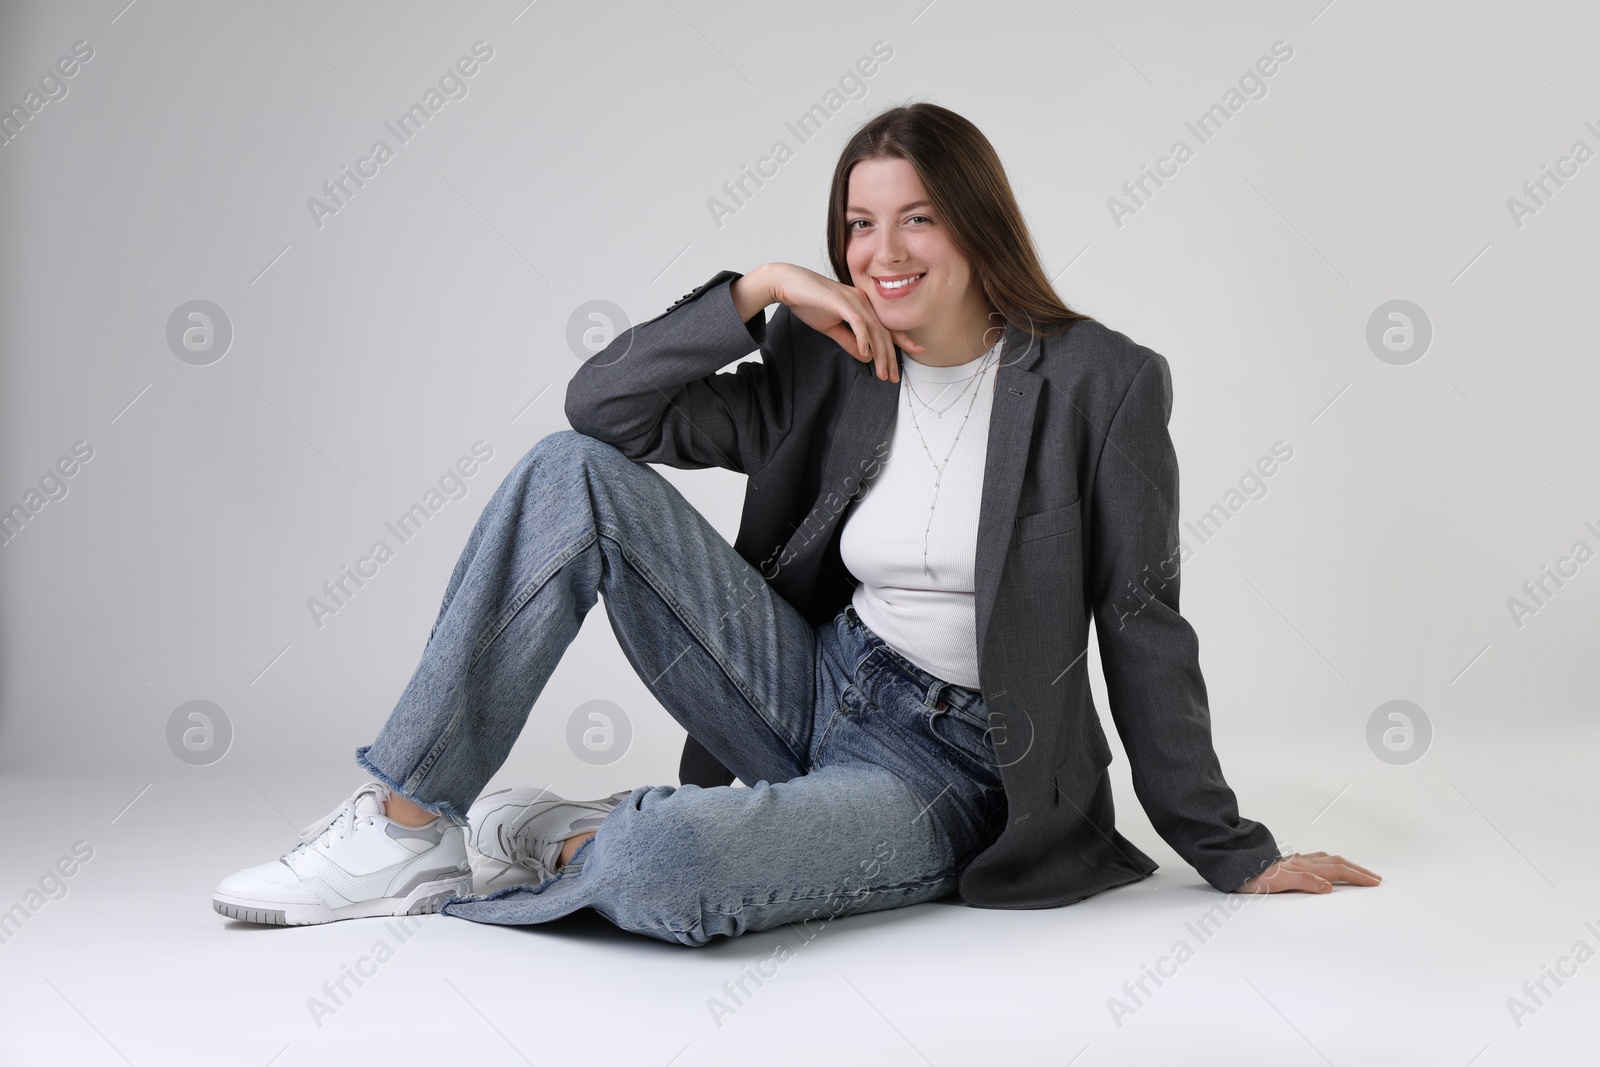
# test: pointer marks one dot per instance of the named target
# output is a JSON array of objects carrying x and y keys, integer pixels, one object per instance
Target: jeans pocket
[
  {"x": 853, "y": 702},
  {"x": 966, "y": 738}
]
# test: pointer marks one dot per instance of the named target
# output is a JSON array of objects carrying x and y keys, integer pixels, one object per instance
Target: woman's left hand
[{"x": 1311, "y": 872}]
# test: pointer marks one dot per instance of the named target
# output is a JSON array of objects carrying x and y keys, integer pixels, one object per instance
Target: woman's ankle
[
  {"x": 570, "y": 846},
  {"x": 405, "y": 811}
]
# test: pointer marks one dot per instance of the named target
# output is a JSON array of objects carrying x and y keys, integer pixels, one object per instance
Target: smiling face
[{"x": 902, "y": 255}]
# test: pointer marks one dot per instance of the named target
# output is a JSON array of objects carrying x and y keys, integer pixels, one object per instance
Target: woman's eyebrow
[{"x": 908, "y": 207}]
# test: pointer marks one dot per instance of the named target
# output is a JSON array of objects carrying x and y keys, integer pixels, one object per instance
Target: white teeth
[{"x": 900, "y": 284}]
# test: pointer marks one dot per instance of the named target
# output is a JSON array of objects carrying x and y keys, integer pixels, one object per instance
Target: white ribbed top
[{"x": 928, "y": 618}]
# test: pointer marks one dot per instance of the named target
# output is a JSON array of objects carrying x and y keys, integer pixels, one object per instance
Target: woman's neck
[{"x": 950, "y": 345}]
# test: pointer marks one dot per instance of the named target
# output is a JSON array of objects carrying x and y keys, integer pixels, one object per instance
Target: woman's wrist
[{"x": 752, "y": 293}]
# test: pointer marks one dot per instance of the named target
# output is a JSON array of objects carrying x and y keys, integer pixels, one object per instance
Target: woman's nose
[{"x": 894, "y": 245}]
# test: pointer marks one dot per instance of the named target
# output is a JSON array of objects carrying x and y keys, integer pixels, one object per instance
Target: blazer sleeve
[
  {"x": 1148, "y": 651},
  {"x": 655, "y": 392}
]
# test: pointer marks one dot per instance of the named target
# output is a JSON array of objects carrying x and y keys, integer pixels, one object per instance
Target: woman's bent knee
[
  {"x": 578, "y": 447},
  {"x": 566, "y": 457}
]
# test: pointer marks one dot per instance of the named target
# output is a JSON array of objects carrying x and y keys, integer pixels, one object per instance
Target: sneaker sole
[{"x": 426, "y": 899}]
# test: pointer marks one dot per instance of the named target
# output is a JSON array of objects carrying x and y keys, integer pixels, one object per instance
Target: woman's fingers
[
  {"x": 1313, "y": 872},
  {"x": 877, "y": 343},
  {"x": 1356, "y": 875},
  {"x": 1332, "y": 866},
  {"x": 858, "y": 331},
  {"x": 1286, "y": 877},
  {"x": 872, "y": 338},
  {"x": 879, "y": 340},
  {"x": 890, "y": 362},
  {"x": 845, "y": 336},
  {"x": 867, "y": 341}
]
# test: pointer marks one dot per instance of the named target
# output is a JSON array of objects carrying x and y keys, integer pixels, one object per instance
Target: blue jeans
[{"x": 871, "y": 783}]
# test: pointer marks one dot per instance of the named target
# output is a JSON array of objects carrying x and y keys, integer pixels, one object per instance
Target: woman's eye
[
  {"x": 923, "y": 217},
  {"x": 851, "y": 225}
]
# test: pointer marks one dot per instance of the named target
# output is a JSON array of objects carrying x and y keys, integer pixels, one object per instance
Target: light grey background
[{"x": 432, "y": 311}]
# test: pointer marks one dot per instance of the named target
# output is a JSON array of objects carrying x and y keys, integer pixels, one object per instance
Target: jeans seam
[
  {"x": 928, "y": 715},
  {"x": 529, "y": 589},
  {"x": 855, "y": 672},
  {"x": 822, "y": 744},
  {"x": 690, "y": 624},
  {"x": 864, "y": 893}
]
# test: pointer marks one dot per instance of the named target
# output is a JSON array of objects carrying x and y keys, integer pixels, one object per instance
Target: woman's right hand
[{"x": 843, "y": 312}]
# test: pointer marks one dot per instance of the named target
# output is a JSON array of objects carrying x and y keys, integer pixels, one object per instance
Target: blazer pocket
[
  {"x": 1047, "y": 523},
  {"x": 1091, "y": 755}
]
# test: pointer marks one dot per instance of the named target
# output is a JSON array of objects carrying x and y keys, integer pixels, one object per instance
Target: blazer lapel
[
  {"x": 1016, "y": 400},
  {"x": 862, "y": 434}
]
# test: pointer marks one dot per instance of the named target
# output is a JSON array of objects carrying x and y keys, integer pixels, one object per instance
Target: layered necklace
[{"x": 987, "y": 360}]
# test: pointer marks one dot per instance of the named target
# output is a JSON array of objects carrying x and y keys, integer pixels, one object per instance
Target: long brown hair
[{"x": 968, "y": 188}]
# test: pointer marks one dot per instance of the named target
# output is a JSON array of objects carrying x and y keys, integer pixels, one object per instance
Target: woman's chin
[{"x": 895, "y": 317}]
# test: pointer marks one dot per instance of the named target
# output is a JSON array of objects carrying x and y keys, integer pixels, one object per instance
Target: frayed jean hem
[{"x": 444, "y": 807}]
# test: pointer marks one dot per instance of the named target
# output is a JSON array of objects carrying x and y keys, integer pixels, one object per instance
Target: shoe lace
[
  {"x": 340, "y": 821},
  {"x": 520, "y": 849}
]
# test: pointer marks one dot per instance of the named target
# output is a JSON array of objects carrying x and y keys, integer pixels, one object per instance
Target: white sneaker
[
  {"x": 525, "y": 828},
  {"x": 354, "y": 863}
]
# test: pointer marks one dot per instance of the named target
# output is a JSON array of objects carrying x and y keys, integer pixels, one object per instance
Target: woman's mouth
[{"x": 898, "y": 288}]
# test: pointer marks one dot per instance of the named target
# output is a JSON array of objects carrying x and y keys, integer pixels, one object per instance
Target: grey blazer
[{"x": 1078, "y": 515}]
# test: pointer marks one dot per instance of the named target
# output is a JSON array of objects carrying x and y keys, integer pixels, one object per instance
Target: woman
[{"x": 904, "y": 589}]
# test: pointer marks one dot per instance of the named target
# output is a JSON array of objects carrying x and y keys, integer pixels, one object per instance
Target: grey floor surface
[{"x": 1486, "y": 846}]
